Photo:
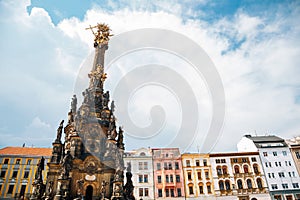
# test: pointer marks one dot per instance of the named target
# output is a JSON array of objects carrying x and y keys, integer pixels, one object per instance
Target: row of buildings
[{"x": 265, "y": 167}]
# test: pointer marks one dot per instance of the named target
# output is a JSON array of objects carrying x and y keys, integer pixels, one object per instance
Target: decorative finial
[{"x": 102, "y": 35}]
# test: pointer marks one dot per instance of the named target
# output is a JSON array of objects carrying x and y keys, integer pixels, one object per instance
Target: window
[
  {"x": 227, "y": 185},
  {"x": 167, "y": 155},
  {"x": 142, "y": 154},
  {"x": 274, "y": 153},
  {"x": 167, "y": 192},
  {"x": 253, "y": 159},
  {"x": 201, "y": 189},
  {"x": 170, "y": 165},
  {"x": 172, "y": 192},
  {"x": 265, "y": 154},
  {"x": 236, "y": 169},
  {"x": 281, "y": 174},
  {"x": 189, "y": 175},
  {"x": 246, "y": 169},
  {"x": 259, "y": 183},
  {"x": 269, "y": 174},
  {"x": 146, "y": 192},
  {"x": 249, "y": 184},
  {"x": 2, "y": 175},
  {"x": 235, "y": 160},
  {"x": 224, "y": 169},
  {"x": 6, "y": 161},
  {"x": 140, "y": 165},
  {"x": 140, "y": 178},
  {"x": 158, "y": 166},
  {"x": 179, "y": 192},
  {"x": 274, "y": 186},
  {"x": 276, "y": 164},
  {"x": 177, "y": 178},
  {"x": 165, "y": 166},
  {"x": 255, "y": 168},
  {"x": 15, "y": 174},
  {"x": 285, "y": 186},
  {"x": 29, "y": 161},
  {"x": 199, "y": 175},
  {"x": 176, "y": 165},
  {"x": 159, "y": 179},
  {"x": 191, "y": 191},
  {"x": 208, "y": 189},
  {"x": 167, "y": 178},
  {"x": 141, "y": 192},
  {"x": 295, "y": 185},
  {"x": 188, "y": 163},
  {"x": 145, "y": 165},
  {"x": 197, "y": 163},
  {"x": 18, "y": 161},
  {"x": 145, "y": 178},
  {"x": 223, "y": 161},
  {"x": 284, "y": 153},
  {"x": 297, "y": 154},
  {"x": 270, "y": 165},
  {"x": 171, "y": 178},
  {"x": 240, "y": 184},
  {"x": 279, "y": 163},
  {"x": 159, "y": 193},
  {"x": 218, "y": 161},
  {"x": 221, "y": 185},
  {"x": 266, "y": 164},
  {"x": 293, "y": 174},
  {"x": 219, "y": 170},
  {"x": 206, "y": 174},
  {"x": 204, "y": 162},
  {"x": 273, "y": 175},
  {"x": 244, "y": 160},
  {"x": 26, "y": 174},
  {"x": 290, "y": 174},
  {"x": 10, "y": 189},
  {"x": 290, "y": 164}
]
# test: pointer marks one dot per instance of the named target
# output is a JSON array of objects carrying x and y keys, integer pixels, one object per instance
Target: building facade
[
  {"x": 168, "y": 175},
  {"x": 18, "y": 167},
  {"x": 142, "y": 172},
  {"x": 294, "y": 145},
  {"x": 238, "y": 176},
  {"x": 198, "y": 181},
  {"x": 278, "y": 165}
]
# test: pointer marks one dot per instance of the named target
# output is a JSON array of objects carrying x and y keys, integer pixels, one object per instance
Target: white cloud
[{"x": 259, "y": 75}]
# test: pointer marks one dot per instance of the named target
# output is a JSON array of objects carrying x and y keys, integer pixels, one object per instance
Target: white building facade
[
  {"x": 142, "y": 172},
  {"x": 278, "y": 165}
]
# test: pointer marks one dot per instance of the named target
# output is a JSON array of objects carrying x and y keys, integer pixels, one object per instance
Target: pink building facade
[{"x": 168, "y": 175}]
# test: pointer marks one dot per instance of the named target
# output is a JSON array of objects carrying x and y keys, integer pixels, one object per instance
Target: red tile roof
[{"x": 26, "y": 151}]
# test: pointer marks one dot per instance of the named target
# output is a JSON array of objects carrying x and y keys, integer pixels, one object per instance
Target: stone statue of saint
[
  {"x": 59, "y": 131},
  {"x": 39, "y": 171},
  {"x": 66, "y": 165}
]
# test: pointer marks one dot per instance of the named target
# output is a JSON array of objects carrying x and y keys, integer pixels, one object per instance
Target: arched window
[
  {"x": 221, "y": 185},
  {"x": 224, "y": 169},
  {"x": 249, "y": 183},
  {"x": 227, "y": 185},
  {"x": 201, "y": 188},
  {"x": 259, "y": 183},
  {"x": 142, "y": 154},
  {"x": 246, "y": 169},
  {"x": 208, "y": 187},
  {"x": 219, "y": 170},
  {"x": 240, "y": 184},
  {"x": 236, "y": 169},
  {"x": 255, "y": 168}
]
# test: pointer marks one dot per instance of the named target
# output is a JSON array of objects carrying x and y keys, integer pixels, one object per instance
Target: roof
[
  {"x": 264, "y": 139},
  {"x": 233, "y": 154},
  {"x": 26, "y": 151}
]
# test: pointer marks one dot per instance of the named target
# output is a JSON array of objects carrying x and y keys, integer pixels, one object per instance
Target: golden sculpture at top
[{"x": 102, "y": 35}]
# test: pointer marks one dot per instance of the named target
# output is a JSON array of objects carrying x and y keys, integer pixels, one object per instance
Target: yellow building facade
[
  {"x": 18, "y": 167},
  {"x": 197, "y": 176}
]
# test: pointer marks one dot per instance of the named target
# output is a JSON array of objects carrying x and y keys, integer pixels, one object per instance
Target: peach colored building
[{"x": 168, "y": 174}]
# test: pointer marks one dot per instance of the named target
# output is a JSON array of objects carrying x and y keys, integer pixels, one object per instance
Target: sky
[{"x": 254, "y": 46}]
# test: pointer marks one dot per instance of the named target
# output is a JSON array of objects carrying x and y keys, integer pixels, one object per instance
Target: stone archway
[{"x": 89, "y": 192}]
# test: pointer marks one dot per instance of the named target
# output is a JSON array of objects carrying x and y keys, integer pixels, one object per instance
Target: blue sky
[{"x": 254, "y": 46}]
